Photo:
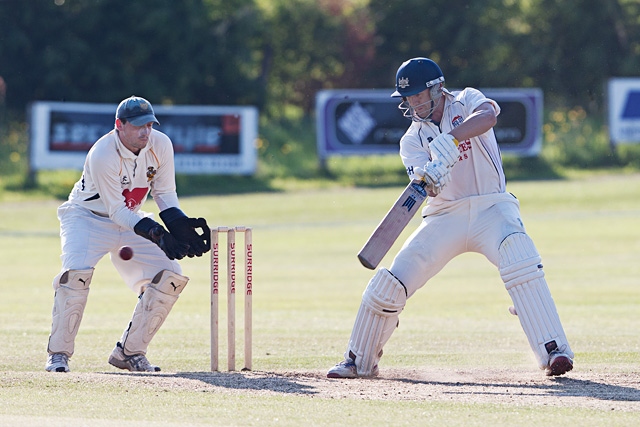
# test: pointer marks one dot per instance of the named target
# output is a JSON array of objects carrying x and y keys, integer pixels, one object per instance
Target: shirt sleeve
[
  {"x": 163, "y": 187},
  {"x": 412, "y": 150},
  {"x": 474, "y": 98}
]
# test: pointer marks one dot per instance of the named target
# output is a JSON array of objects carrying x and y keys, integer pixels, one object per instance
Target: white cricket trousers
[
  {"x": 473, "y": 224},
  {"x": 86, "y": 238}
]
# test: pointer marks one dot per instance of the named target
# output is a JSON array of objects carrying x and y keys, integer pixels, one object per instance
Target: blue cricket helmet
[{"x": 416, "y": 75}]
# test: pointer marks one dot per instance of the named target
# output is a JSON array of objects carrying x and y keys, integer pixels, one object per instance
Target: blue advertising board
[{"x": 365, "y": 122}]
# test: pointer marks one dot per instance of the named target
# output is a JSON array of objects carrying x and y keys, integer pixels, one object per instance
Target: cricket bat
[{"x": 387, "y": 232}]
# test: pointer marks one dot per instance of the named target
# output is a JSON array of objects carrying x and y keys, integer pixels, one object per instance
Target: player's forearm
[
  {"x": 166, "y": 200},
  {"x": 125, "y": 217},
  {"x": 476, "y": 124}
]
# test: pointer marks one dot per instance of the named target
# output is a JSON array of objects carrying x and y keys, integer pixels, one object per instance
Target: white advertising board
[
  {"x": 624, "y": 110},
  {"x": 206, "y": 139}
]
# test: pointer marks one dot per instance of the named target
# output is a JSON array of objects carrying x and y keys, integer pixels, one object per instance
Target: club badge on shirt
[{"x": 151, "y": 172}]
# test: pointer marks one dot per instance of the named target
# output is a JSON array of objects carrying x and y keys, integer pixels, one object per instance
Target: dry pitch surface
[{"x": 619, "y": 391}]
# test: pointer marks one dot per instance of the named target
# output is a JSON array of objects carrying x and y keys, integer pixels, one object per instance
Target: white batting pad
[
  {"x": 382, "y": 301},
  {"x": 72, "y": 290},
  {"x": 521, "y": 271},
  {"x": 152, "y": 309}
]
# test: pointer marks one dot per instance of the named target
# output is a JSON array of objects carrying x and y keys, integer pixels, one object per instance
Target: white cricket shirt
[
  {"x": 479, "y": 169},
  {"x": 115, "y": 182}
]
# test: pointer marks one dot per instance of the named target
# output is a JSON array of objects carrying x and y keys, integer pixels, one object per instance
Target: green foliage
[
  {"x": 628, "y": 156},
  {"x": 287, "y": 148},
  {"x": 369, "y": 171},
  {"x": 472, "y": 45},
  {"x": 189, "y": 51},
  {"x": 529, "y": 168},
  {"x": 13, "y": 148},
  {"x": 576, "y": 142},
  {"x": 278, "y": 54},
  {"x": 13, "y": 156},
  {"x": 313, "y": 46},
  {"x": 562, "y": 47}
]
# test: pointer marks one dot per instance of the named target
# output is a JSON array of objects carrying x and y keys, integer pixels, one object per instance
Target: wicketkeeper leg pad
[
  {"x": 382, "y": 301},
  {"x": 72, "y": 290},
  {"x": 521, "y": 271},
  {"x": 154, "y": 305}
]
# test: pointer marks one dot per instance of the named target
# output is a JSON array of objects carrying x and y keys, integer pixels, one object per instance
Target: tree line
[{"x": 276, "y": 54}]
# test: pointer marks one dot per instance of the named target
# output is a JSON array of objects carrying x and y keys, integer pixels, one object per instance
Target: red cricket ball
[{"x": 126, "y": 253}]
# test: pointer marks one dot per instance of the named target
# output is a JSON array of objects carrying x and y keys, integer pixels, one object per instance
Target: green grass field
[{"x": 307, "y": 288}]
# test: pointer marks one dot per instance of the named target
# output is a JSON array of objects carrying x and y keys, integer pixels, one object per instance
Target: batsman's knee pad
[
  {"x": 72, "y": 290},
  {"x": 382, "y": 301},
  {"x": 153, "y": 307},
  {"x": 521, "y": 271}
]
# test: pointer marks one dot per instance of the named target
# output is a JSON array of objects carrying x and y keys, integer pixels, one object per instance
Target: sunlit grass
[{"x": 307, "y": 288}]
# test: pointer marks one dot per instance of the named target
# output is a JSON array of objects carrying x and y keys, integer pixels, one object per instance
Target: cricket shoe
[
  {"x": 135, "y": 363},
  {"x": 347, "y": 369},
  {"x": 57, "y": 362},
  {"x": 559, "y": 363}
]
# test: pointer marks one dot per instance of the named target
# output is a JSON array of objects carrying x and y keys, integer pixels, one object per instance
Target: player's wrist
[
  {"x": 144, "y": 226},
  {"x": 170, "y": 215}
]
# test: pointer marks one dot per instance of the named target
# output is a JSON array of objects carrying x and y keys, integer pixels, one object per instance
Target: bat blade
[{"x": 387, "y": 232}]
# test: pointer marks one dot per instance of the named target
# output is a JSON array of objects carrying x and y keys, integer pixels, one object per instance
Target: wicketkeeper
[
  {"x": 103, "y": 214},
  {"x": 451, "y": 145}
]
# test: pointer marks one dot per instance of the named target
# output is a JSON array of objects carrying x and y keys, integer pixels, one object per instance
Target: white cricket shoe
[
  {"x": 135, "y": 363},
  {"x": 559, "y": 363},
  {"x": 57, "y": 362},
  {"x": 347, "y": 369}
]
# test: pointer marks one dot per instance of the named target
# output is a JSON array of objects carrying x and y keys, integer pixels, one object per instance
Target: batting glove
[
  {"x": 184, "y": 229},
  {"x": 445, "y": 149},
  {"x": 435, "y": 174},
  {"x": 151, "y": 230}
]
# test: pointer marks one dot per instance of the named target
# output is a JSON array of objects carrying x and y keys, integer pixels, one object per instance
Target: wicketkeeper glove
[
  {"x": 435, "y": 174},
  {"x": 184, "y": 229},
  {"x": 151, "y": 230},
  {"x": 445, "y": 149}
]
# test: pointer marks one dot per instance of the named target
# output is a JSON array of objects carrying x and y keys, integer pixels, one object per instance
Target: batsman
[
  {"x": 451, "y": 145},
  {"x": 103, "y": 214}
]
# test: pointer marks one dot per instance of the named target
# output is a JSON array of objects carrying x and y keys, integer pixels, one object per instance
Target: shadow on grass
[
  {"x": 254, "y": 381},
  {"x": 250, "y": 380},
  {"x": 558, "y": 386}
]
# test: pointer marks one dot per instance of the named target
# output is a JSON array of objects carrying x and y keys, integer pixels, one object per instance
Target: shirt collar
[{"x": 125, "y": 152}]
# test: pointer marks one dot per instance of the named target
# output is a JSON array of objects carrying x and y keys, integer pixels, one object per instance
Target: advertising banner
[
  {"x": 206, "y": 139},
  {"x": 624, "y": 110},
  {"x": 364, "y": 122}
]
